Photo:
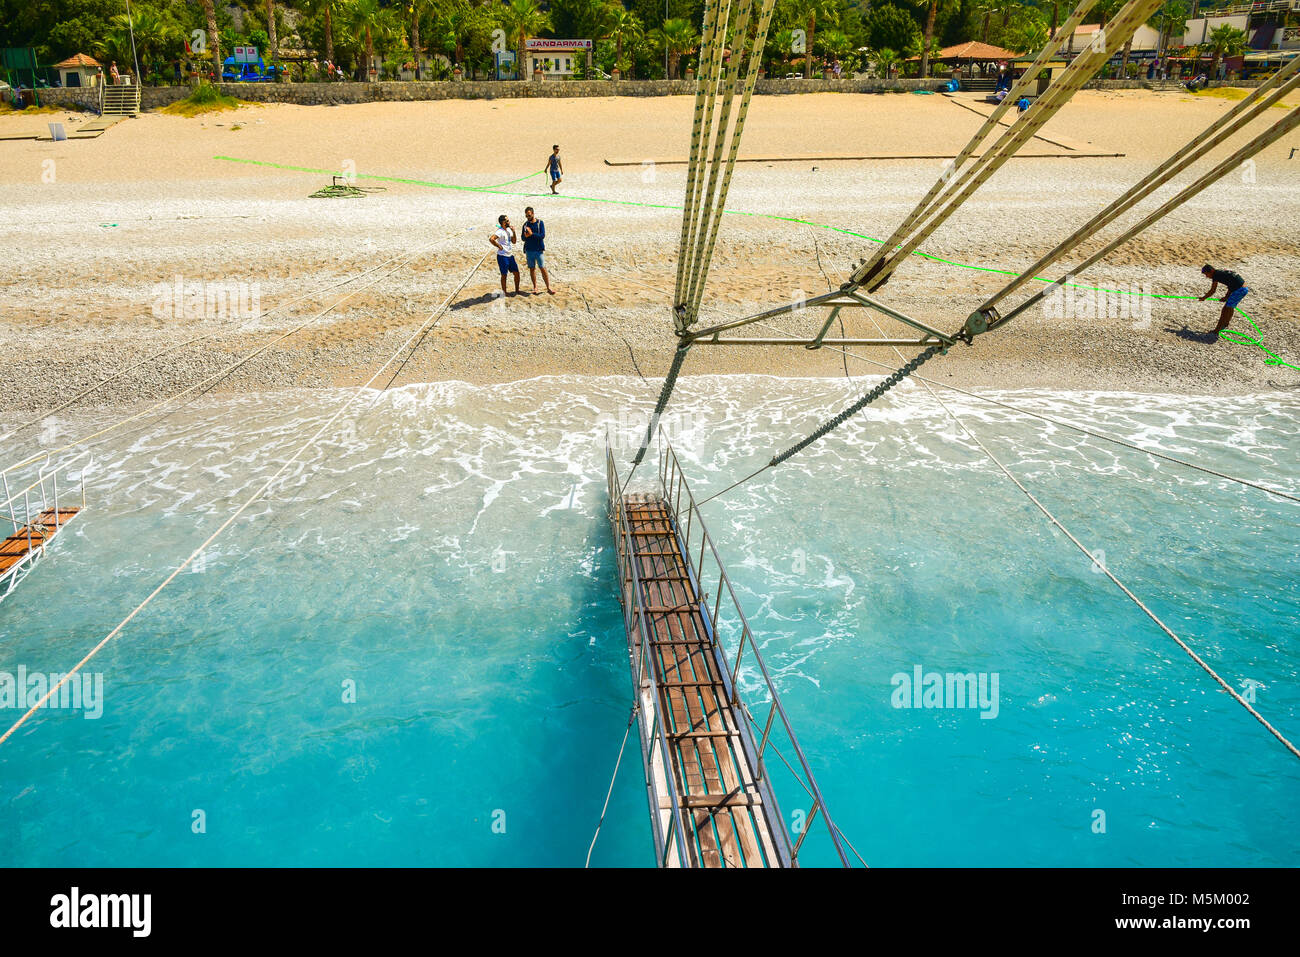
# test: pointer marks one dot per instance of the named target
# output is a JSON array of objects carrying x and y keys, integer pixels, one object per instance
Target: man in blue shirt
[
  {"x": 534, "y": 247},
  {"x": 555, "y": 167},
  {"x": 1234, "y": 284}
]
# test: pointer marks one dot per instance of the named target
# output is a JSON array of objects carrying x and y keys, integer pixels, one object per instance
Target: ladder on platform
[{"x": 708, "y": 780}]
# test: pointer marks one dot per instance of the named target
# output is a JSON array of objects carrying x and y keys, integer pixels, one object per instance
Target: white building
[
  {"x": 78, "y": 70},
  {"x": 555, "y": 57},
  {"x": 1199, "y": 30},
  {"x": 1145, "y": 39},
  {"x": 1269, "y": 24}
]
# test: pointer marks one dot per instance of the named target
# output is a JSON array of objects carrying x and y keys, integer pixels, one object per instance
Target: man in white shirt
[{"x": 504, "y": 239}]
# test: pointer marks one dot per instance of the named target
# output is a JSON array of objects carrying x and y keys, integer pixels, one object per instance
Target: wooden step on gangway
[
  {"x": 711, "y": 798},
  {"x": 30, "y": 534}
]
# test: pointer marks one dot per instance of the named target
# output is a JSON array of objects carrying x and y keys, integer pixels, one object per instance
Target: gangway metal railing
[
  {"x": 710, "y": 579},
  {"x": 46, "y": 489},
  {"x": 655, "y": 758}
]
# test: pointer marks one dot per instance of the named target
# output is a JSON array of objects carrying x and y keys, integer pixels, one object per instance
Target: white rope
[
  {"x": 612, "y": 779},
  {"x": 221, "y": 374},
  {"x": 1106, "y": 571},
  {"x": 434, "y": 317},
  {"x": 1132, "y": 597},
  {"x": 189, "y": 342}
]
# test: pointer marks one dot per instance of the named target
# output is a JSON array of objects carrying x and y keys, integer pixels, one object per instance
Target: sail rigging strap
[
  {"x": 1269, "y": 136},
  {"x": 713, "y": 136},
  {"x": 750, "y": 64},
  {"x": 878, "y": 269},
  {"x": 990, "y": 124},
  {"x": 1230, "y": 123},
  {"x": 979, "y": 322},
  {"x": 716, "y": 120},
  {"x": 715, "y": 139},
  {"x": 702, "y": 101}
]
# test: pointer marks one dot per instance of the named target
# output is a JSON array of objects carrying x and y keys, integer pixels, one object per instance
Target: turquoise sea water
[{"x": 447, "y": 552}]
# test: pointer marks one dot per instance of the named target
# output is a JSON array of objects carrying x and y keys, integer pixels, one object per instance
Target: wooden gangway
[
  {"x": 29, "y": 535},
  {"x": 711, "y": 799}
]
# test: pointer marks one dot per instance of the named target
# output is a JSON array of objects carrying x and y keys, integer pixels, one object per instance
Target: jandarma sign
[{"x": 543, "y": 44}]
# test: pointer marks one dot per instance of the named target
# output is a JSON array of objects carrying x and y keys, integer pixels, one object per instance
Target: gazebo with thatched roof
[{"x": 984, "y": 57}]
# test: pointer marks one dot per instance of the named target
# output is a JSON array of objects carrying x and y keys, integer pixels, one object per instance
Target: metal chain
[
  {"x": 861, "y": 404},
  {"x": 670, "y": 380}
]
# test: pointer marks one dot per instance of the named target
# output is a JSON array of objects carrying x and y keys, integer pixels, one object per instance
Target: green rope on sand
[
  {"x": 669, "y": 206},
  {"x": 343, "y": 191}
]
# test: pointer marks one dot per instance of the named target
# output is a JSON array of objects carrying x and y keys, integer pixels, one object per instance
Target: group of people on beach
[
  {"x": 504, "y": 239},
  {"x": 534, "y": 236}
]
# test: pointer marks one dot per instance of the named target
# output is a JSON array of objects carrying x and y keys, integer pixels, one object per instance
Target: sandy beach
[{"x": 94, "y": 226}]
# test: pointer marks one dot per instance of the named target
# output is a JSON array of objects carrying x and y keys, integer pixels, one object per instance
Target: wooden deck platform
[
  {"x": 26, "y": 544},
  {"x": 709, "y": 750}
]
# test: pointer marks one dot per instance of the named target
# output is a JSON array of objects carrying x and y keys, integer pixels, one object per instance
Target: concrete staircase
[{"x": 119, "y": 100}]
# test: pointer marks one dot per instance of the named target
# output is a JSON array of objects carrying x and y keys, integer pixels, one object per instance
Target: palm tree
[
  {"x": 807, "y": 11},
  {"x": 1008, "y": 7},
  {"x": 777, "y": 48},
  {"x": 677, "y": 37},
  {"x": 1026, "y": 36},
  {"x": 523, "y": 19},
  {"x": 886, "y": 59},
  {"x": 930, "y": 18},
  {"x": 835, "y": 44},
  {"x": 1171, "y": 18},
  {"x": 595, "y": 19},
  {"x": 325, "y": 9},
  {"x": 416, "y": 50},
  {"x": 154, "y": 36},
  {"x": 1226, "y": 40},
  {"x": 986, "y": 8},
  {"x": 363, "y": 16},
  {"x": 625, "y": 27},
  {"x": 451, "y": 29},
  {"x": 1105, "y": 9},
  {"x": 271, "y": 40},
  {"x": 214, "y": 39}
]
